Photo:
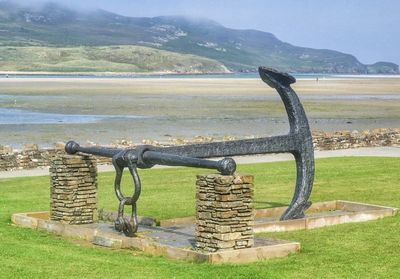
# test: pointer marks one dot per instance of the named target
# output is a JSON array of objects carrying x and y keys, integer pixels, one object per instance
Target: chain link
[{"x": 128, "y": 226}]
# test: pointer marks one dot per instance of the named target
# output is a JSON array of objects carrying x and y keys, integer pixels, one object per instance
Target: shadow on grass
[{"x": 268, "y": 204}]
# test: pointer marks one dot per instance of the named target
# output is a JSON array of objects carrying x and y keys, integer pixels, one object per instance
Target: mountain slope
[{"x": 239, "y": 50}]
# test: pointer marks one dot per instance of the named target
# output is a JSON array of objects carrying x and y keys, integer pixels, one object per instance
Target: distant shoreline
[
  {"x": 92, "y": 73},
  {"x": 166, "y": 74}
]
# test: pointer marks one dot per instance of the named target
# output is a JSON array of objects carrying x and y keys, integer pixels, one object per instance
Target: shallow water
[{"x": 11, "y": 116}]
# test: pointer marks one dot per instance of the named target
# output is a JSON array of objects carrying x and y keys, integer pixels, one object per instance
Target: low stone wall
[
  {"x": 73, "y": 189},
  {"x": 32, "y": 157},
  {"x": 8, "y": 162},
  {"x": 225, "y": 214},
  {"x": 355, "y": 139},
  {"x": 29, "y": 158}
]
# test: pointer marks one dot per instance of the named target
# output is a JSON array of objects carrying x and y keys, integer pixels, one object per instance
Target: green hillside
[
  {"x": 108, "y": 58},
  {"x": 239, "y": 50}
]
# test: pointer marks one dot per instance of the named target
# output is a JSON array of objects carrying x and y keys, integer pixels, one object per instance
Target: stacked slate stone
[
  {"x": 8, "y": 160},
  {"x": 73, "y": 189},
  {"x": 29, "y": 157},
  {"x": 355, "y": 139},
  {"x": 225, "y": 215}
]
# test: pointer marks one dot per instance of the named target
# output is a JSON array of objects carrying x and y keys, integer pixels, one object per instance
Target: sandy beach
[
  {"x": 159, "y": 109},
  {"x": 349, "y": 85}
]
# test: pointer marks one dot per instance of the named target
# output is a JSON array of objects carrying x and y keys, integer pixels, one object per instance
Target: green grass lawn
[{"x": 363, "y": 250}]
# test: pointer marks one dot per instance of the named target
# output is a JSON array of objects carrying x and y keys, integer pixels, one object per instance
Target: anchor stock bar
[
  {"x": 72, "y": 147},
  {"x": 266, "y": 145},
  {"x": 150, "y": 157},
  {"x": 226, "y": 166}
]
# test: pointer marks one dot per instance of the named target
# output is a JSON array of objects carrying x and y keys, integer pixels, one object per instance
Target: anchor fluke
[{"x": 274, "y": 78}]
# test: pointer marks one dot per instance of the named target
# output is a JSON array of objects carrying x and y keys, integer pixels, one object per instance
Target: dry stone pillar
[
  {"x": 73, "y": 189},
  {"x": 225, "y": 214}
]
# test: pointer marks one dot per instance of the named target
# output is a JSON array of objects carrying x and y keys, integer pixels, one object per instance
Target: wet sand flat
[
  {"x": 339, "y": 86},
  {"x": 163, "y": 108}
]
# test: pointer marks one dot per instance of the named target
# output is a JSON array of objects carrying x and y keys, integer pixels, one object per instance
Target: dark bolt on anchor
[{"x": 297, "y": 142}]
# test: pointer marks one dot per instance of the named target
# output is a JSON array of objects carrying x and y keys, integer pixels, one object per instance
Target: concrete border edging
[
  {"x": 348, "y": 212},
  {"x": 93, "y": 233}
]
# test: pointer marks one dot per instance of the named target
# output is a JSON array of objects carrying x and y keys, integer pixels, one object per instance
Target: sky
[{"x": 368, "y": 29}]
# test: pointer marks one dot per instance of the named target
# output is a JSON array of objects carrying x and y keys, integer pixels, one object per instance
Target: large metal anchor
[{"x": 298, "y": 142}]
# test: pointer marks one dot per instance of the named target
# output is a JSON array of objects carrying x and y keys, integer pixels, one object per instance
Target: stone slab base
[
  {"x": 172, "y": 242},
  {"x": 321, "y": 214}
]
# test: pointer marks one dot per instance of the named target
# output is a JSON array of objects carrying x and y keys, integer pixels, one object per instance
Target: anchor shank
[{"x": 277, "y": 144}]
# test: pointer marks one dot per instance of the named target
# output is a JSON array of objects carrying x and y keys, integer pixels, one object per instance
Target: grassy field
[
  {"x": 364, "y": 250},
  {"x": 104, "y": 59}
]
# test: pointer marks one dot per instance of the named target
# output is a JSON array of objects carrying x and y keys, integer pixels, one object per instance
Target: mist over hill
[{"x": 54, "y": 26}]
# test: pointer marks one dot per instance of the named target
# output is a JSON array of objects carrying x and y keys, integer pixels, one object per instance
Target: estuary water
[
  {"x": 45, "y": 111},
  {"x": 11, "y": 116}
]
